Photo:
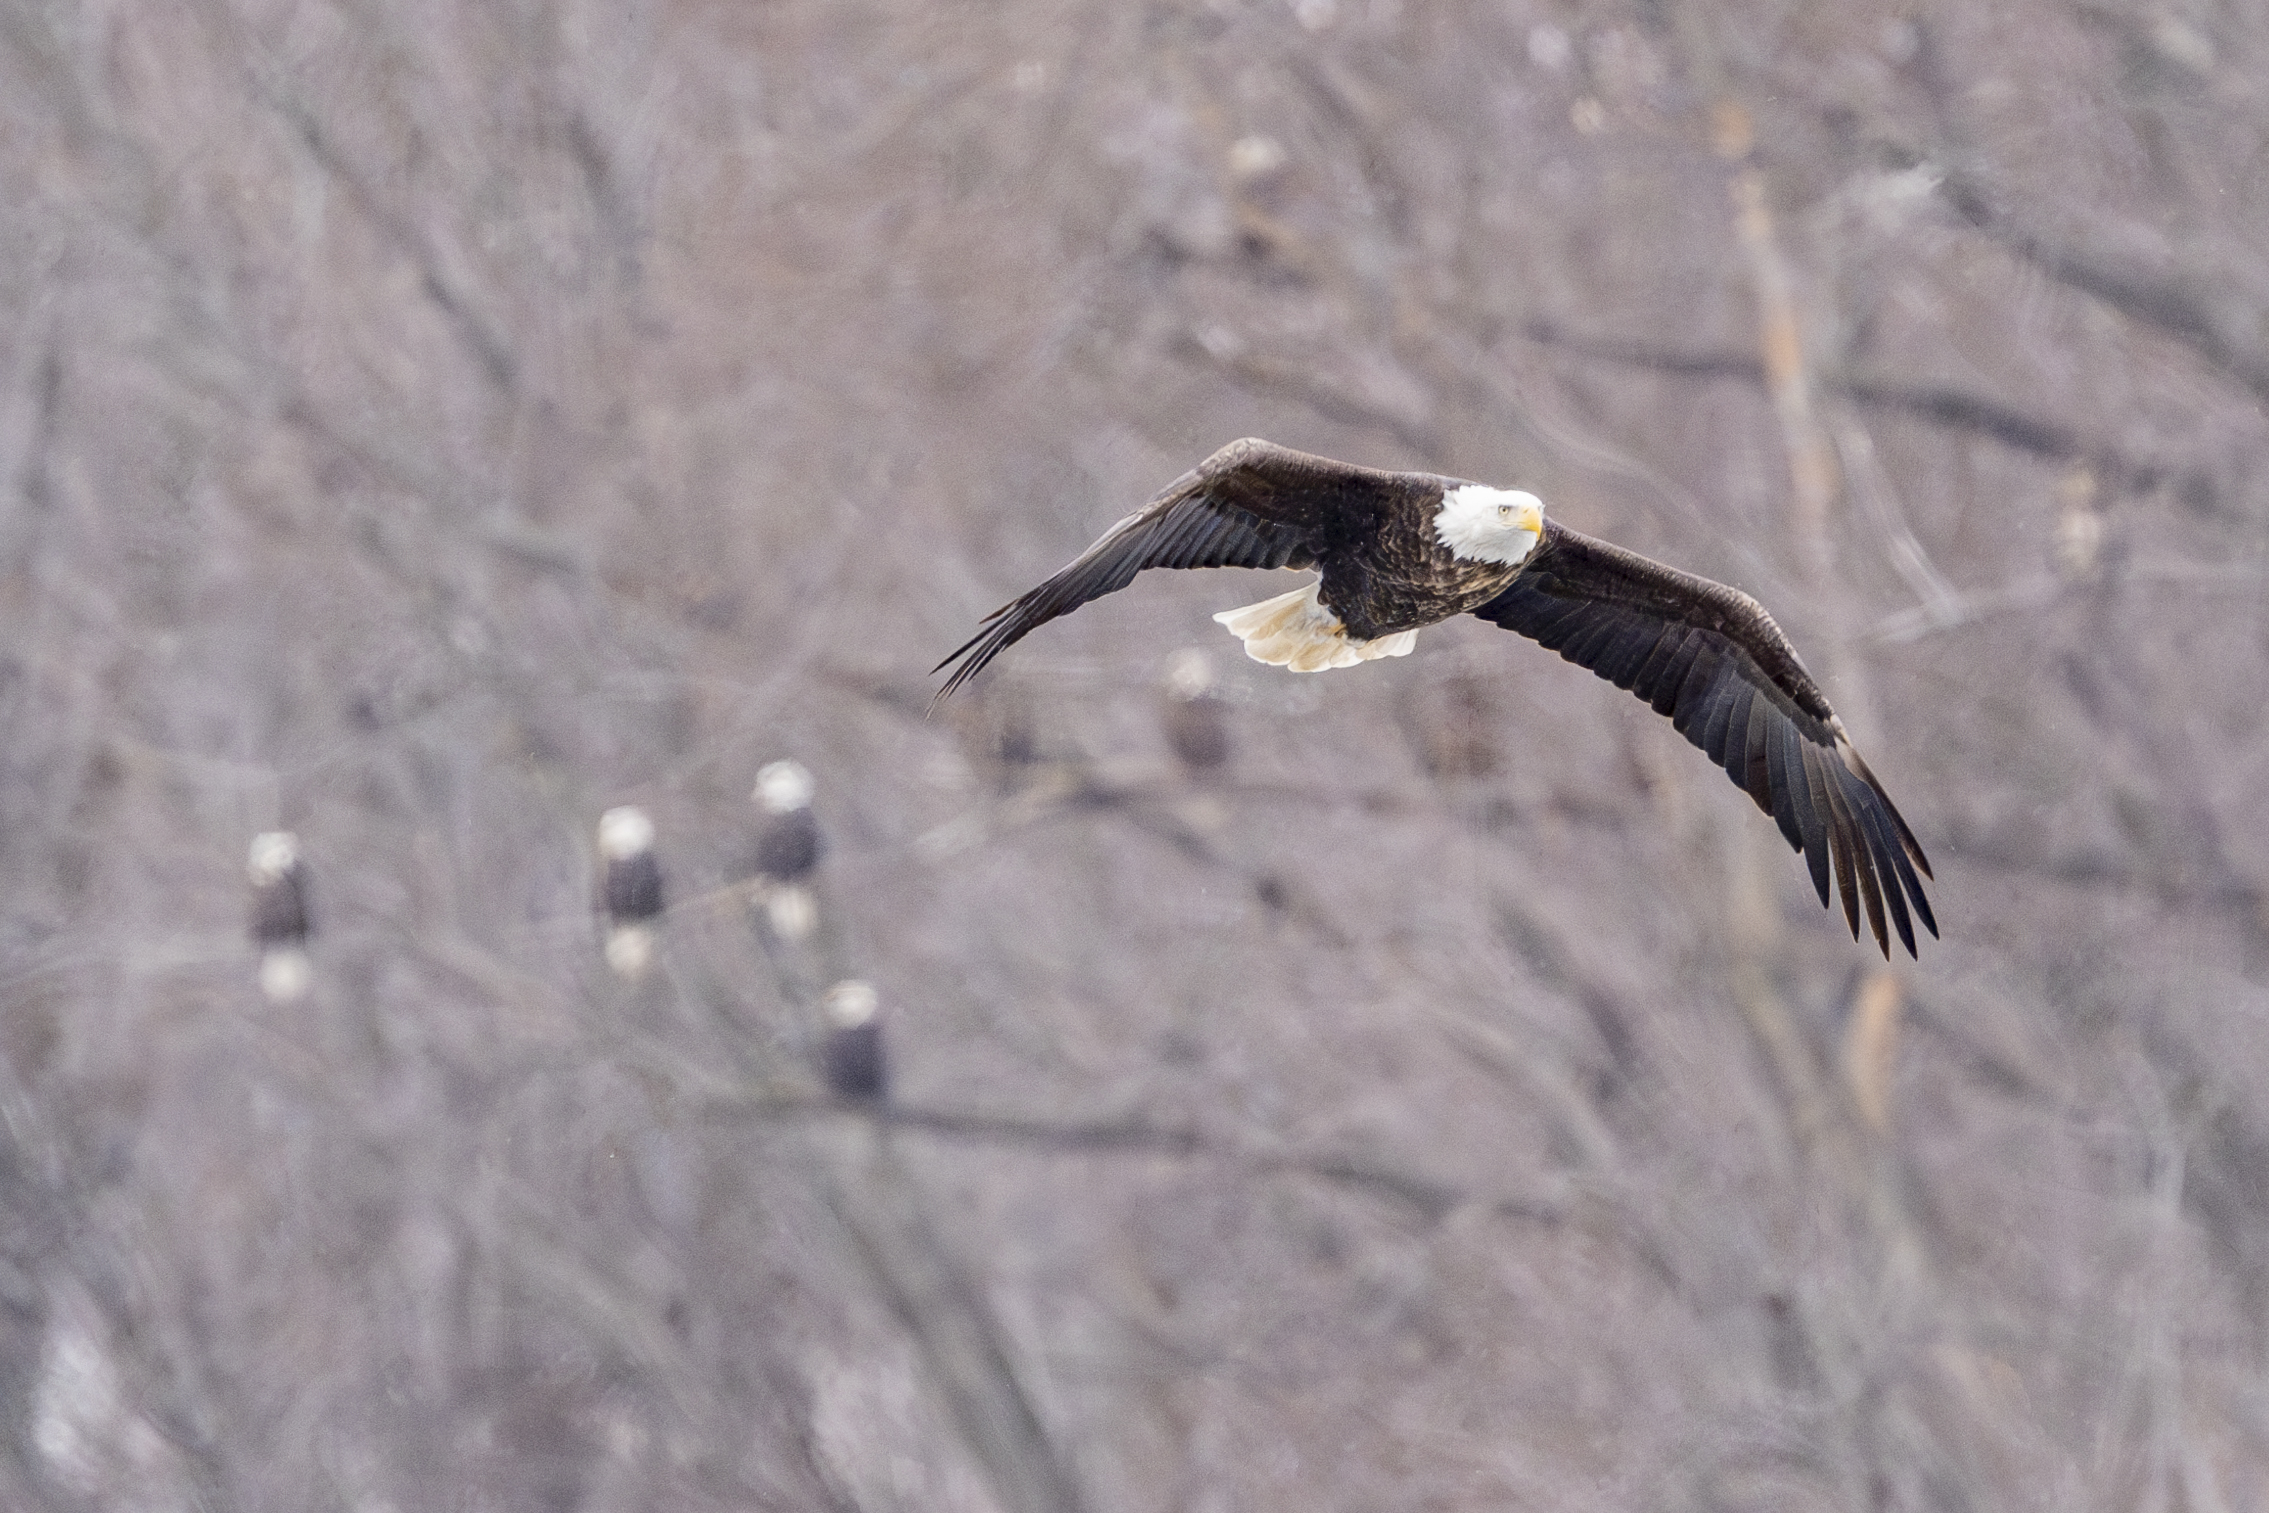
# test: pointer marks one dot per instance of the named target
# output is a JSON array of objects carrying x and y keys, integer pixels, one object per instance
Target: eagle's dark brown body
[
  {"x": 279, "y": 909},
  {"x": 1706, "y": 655},
  {"x": 1371, "y": 532},
  {"x": 1399, "y": 576}
]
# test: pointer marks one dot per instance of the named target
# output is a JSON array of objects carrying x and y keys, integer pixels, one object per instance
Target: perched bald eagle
[
  {"x": 787, "y": 850},
  {"x": 1195, "y": 723},
  {"x": 788, "y": 847},
  {"x": 851, "y": 1058},
  {"x": 1399, "y": 551},
  {"x": 281, "y": 922},
  {"x": 631, "y": 890}
]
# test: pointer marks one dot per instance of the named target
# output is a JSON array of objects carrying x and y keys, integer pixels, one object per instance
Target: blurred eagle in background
[
  {"x": 630, "y": 889},
  {"x": 281, "y": 920},
  {"x": 788, "y": 848},
  {"x": 1396, "y": 552},
  {"x": 851, "y": 1057}
]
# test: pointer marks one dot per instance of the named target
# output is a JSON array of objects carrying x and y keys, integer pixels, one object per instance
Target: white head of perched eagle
[{"x": 1395, "y": 552}]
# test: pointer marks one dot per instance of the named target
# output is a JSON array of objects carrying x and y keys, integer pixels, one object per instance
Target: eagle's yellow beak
[{"x": 1530, "y": 517}]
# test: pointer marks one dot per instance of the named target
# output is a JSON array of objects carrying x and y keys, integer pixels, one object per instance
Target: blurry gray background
[{"x": 426, "y": 425}]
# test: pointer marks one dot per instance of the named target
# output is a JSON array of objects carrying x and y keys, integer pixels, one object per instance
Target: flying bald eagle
[{"x": 1399, "y": 551}]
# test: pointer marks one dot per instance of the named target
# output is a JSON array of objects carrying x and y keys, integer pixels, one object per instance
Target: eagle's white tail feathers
[
  {"x": 285, "y": 973},
  {"x": 1296, "y": 631}
]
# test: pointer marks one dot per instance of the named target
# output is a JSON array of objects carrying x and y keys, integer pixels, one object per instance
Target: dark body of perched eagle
[
  {"x": 1195, "y": 723},
  {"x": 788, "y": 847},
  {"x": 1398, "y": 551},
  {"x": 852, "y": 1057}
]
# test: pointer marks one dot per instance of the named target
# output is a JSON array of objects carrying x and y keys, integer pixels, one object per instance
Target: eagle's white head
[
  {"x": 274, "y": 852},
  {"x": 783, "y": 787},
  {"x": 849, "y": 1004},
  {"x": 1482, "y": 524},
  {"x": 624, "y": 832}
]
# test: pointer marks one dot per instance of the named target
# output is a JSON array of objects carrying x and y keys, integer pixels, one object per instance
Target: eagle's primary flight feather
[{"x": 1398, "y": 551}]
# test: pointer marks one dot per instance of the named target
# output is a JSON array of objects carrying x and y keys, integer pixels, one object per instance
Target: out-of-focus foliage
[{"x": 424, "y": 426}]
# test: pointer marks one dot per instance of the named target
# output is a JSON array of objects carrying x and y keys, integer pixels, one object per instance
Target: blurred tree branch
[
  {"x": 1429, "y": 1198},
  {"x": 1955, "y": 409}
]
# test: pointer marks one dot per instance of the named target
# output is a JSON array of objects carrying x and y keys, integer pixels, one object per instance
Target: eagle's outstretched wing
[
  {"x": 1251, "y": 504},
  {"x": 1712, "y": 659}
]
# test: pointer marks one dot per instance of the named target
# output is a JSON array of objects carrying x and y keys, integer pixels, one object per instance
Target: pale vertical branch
[
  {"x": 1838, "y": 1124},
  {"x": 1754, "y": 937},
  {"x": 1814, "y": 478},
  {"x": 1816, "y": 483},
  {"x": 1871, "y": 1044}
]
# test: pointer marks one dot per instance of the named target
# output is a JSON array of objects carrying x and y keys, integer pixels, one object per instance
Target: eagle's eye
[{"x": 1505, "y": 512}]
